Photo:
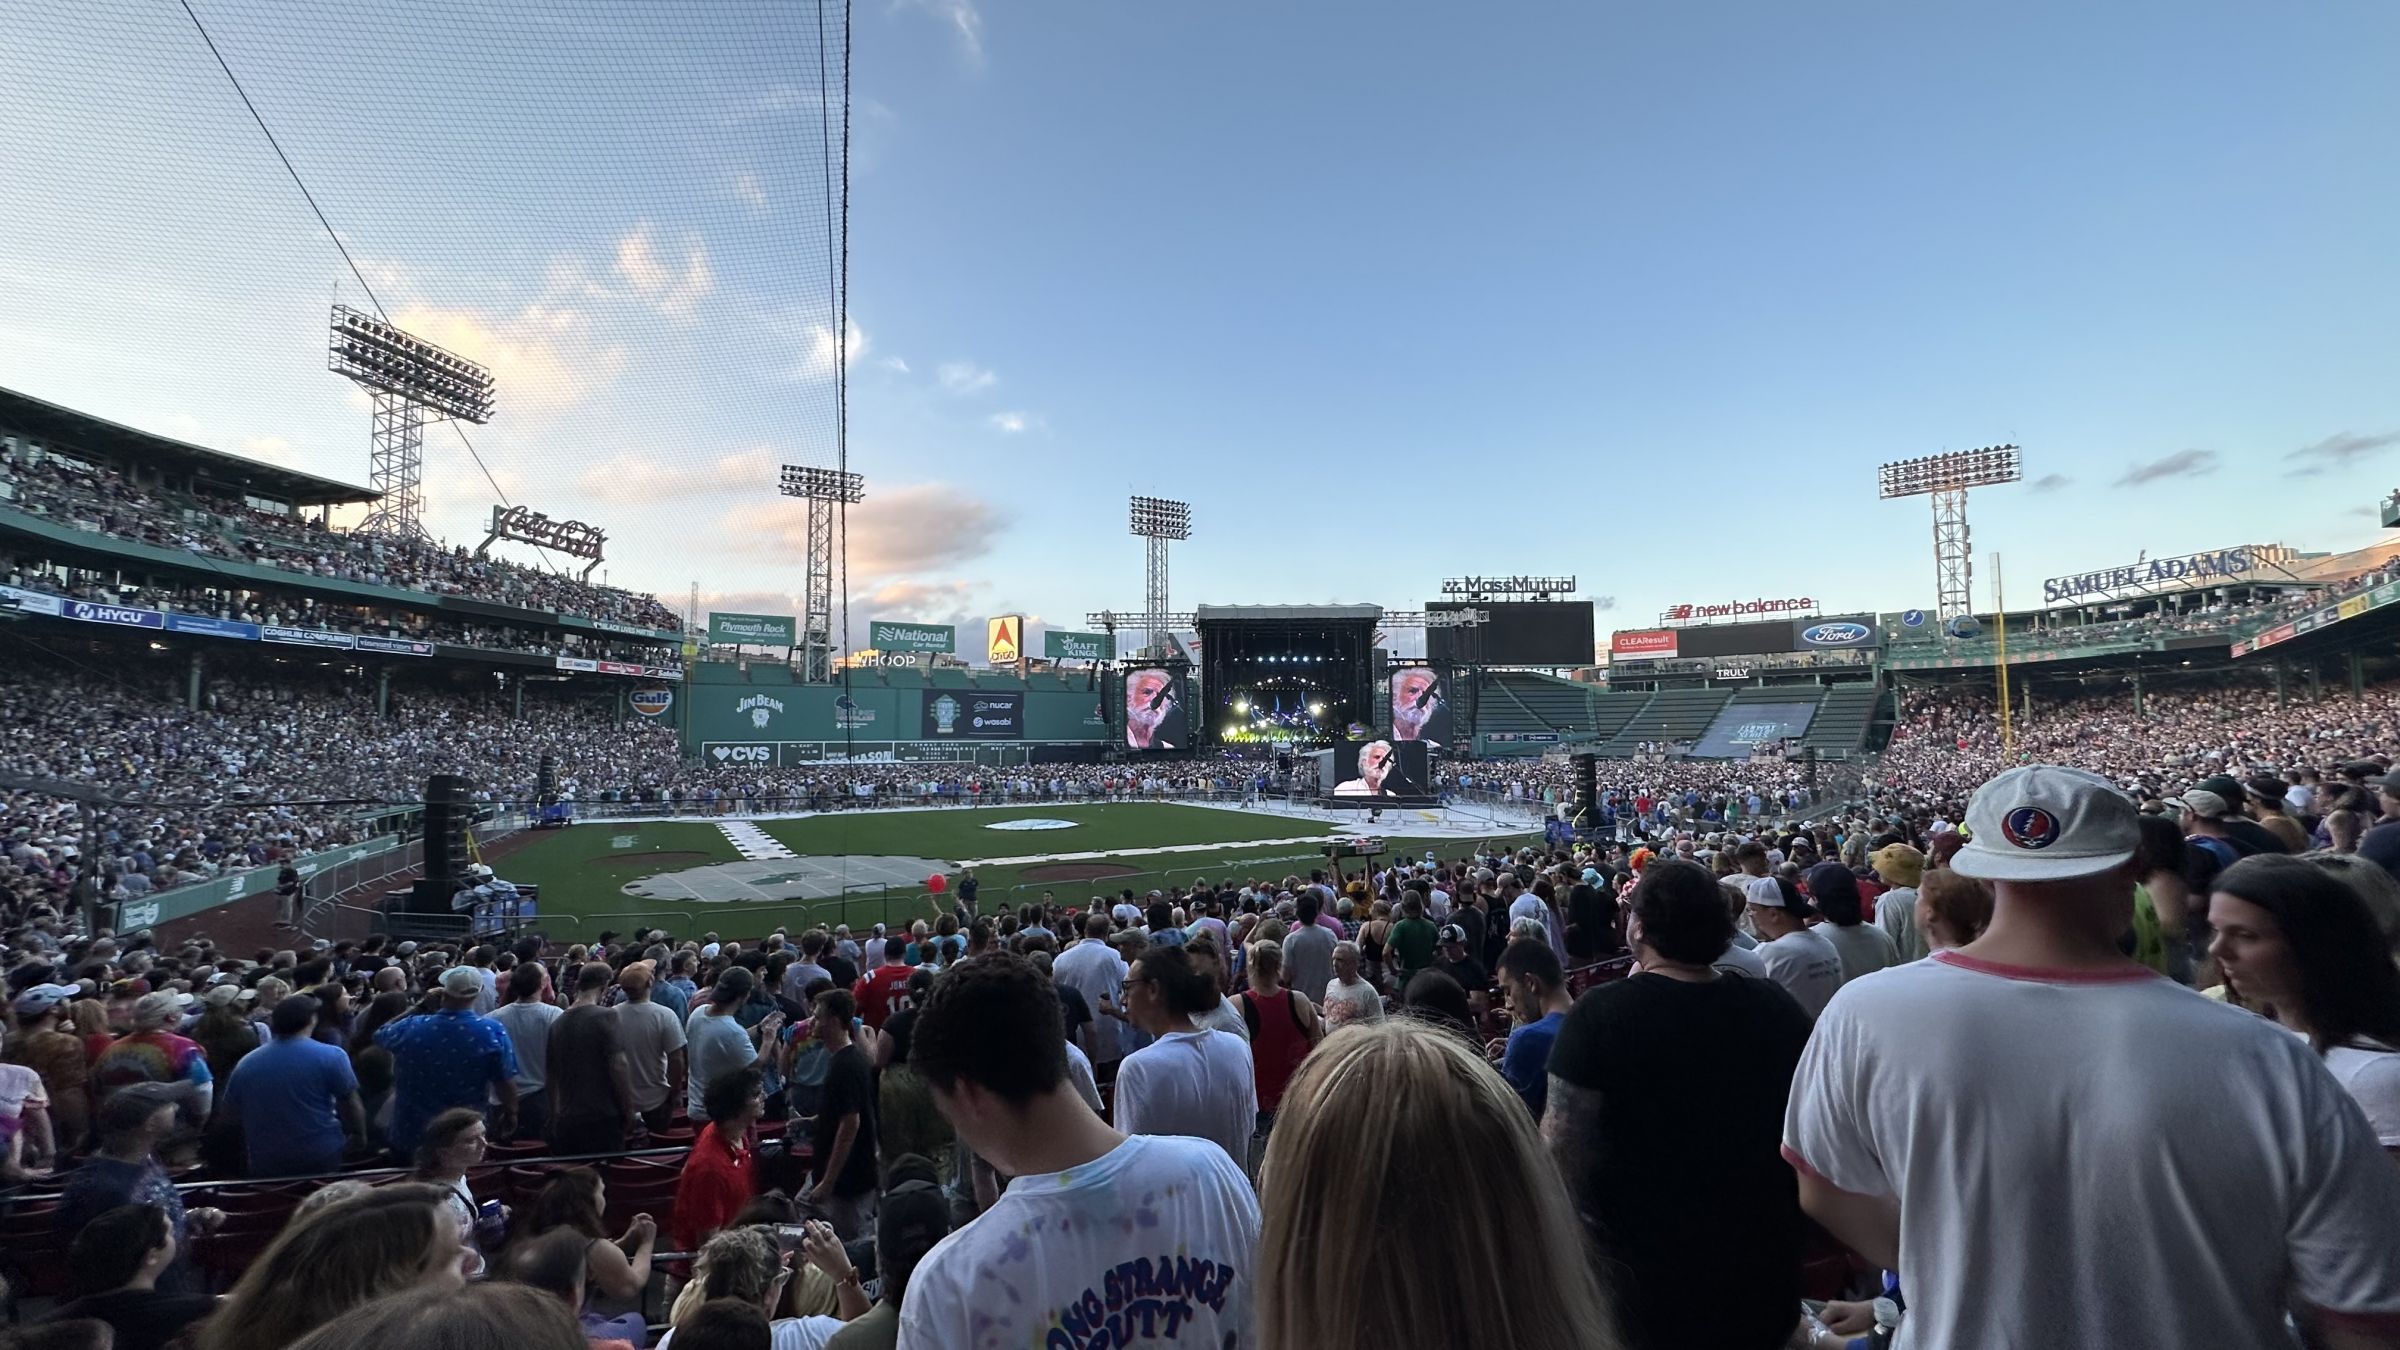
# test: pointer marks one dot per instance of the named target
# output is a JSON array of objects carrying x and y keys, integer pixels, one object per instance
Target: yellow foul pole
[{"x": 2008, "y": 734}]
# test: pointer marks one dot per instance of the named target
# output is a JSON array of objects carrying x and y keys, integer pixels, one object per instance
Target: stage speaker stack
[
  {"x": 1587, "y": 789},
  {"x": 447, "y": 818},
  {"x": 545, "y": 782}
]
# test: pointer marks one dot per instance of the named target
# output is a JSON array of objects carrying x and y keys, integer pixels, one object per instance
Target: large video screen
[
  {"x": 1382, "y": 770},
  {"x": 1420, "y": 705},
  {"x": 1734, "y": 639},
  {"x": 1518, "y": 633},
  {"x": 1155, "y": 718},
  {"x": 1738, "y": 730}
]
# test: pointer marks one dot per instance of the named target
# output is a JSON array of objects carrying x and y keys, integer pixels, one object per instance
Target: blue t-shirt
[
  {"x": 284, "y": 1094},
  {"x": 440, "y": 1060},
  {"x": 1526, "y": 1065}
]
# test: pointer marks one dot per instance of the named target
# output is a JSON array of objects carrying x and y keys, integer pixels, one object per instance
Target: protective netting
[{"x": 633, "y": 213}]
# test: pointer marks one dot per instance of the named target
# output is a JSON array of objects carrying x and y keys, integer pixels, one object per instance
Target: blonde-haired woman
[{"x": 1371, "y": 1108}]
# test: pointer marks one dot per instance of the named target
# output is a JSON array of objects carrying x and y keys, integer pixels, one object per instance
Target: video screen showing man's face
[
  {"x": 1374, "y": 767},
  {"x": 1418, "y": 709},
  {"x": 1153, "y": 717}
]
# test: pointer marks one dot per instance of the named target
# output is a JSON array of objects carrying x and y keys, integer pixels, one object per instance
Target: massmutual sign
[{"x": 2156, "y": 574}]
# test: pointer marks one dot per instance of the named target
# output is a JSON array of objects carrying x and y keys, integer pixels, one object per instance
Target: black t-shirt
[
  {"x": 900, "y": 1028},
  {"x": 849, "y": 1087},
  {"x": 1468, "y": 971},
  {"x": 840, "y": 967},
  {"x": 144, "y": 1319},
  {"x": 2251, "y": 837},
  {"x": 1591, "y": 922},
  {"x": 1074, "y": 1008},
  {"x": 583, "y": 1044},
  {"x": 1684, "y": 1188}
]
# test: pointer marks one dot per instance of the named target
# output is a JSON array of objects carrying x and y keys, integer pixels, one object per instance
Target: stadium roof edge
[{"x": 71, "y": 429}]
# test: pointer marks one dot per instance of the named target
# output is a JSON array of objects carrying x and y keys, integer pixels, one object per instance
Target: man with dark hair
[
  {"x": 1094, "y": 971},
  {"x": 716, "y": 1043},
  {"x": 294, "y": 1098},
  {"x": 448, "y": 1058},
  {"x": 117, "y": 1260},
  {"x": 1189, "y": 1080},
  {"x": 989, "y": 1044},
  {"x": 1160, "y": 918},
  {"x": 527, "y": 1017},
  {"x": 725, "y": 1324},
  {"x": 591, "y": 1089},
  {"x": 652, "y": 1038},
  {"x": 1536, "y": 986},
  {"x": 844, "y": 1137},
  {"x": 1308, "y": 949},
  {"x": 913, "y": 1217},
  {"x": 880, "y": 992},
  {"x": 720, "y": 1174},
  {"x": 1667, "y": 1093}
]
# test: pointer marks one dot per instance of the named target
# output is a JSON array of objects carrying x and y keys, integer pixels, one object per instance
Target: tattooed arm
[{"x": 1569, "y": 1126}]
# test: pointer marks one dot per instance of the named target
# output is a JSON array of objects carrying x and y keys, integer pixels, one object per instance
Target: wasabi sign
[
  {"x": 754, "y": 630},
  {"x": 912, "y": 637},
  {"x": 1060, "y": 646}
]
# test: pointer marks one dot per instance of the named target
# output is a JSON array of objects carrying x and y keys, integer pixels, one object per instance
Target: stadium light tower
[
  {"x": 412, "y": 382},
  {"x": 1945, "y": 478},
  {"x": 1160, "y": 522},
  {"x": 823, "y": 488}
]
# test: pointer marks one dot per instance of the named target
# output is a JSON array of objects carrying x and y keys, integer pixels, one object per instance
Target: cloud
[
  {"x": 1603, "y": 603},
  {"x": 1011, "y": 423},
  {"x": 895, "y": 532},
  {"x": 737, "y": 602},
  {"x": 2051, "y": 482},
  {"x": 272, "y": 450},
  {"x": 747, "y": 187},
  {"x": 2339, "y": 451},
  {"x": 964, "y": 20},
  {"x": 544, "y": 357},
  {"x": 894, "y": 364},
  {"x": 674, "y": 291},
  {"x": 818, "y": 361},
  {"x": 918, "y": 602},
  {"x": 632, "y": 478},
  {"x": 965, "y": 377},
  {"x": 2181, "y": 464}
]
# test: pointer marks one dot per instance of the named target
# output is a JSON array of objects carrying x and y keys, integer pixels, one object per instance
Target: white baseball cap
[{"x": 2040, "y": 822}]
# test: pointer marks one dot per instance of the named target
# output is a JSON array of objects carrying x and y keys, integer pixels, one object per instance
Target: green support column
[
  {"x": 2138, "y": 709},
  {"x": 519, "y": 685},
  {"x": 2358, "y": 675},
  {"x": 2281, "y": 701},
  {"x": 383, "y": 691},
  {"x": 191, "y": 695}
]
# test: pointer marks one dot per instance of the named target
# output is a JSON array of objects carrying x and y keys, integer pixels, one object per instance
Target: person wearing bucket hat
[
  {"x": 1796, "y": 956},
  {"x": 1901, "y": 866},
  {"x": 2038, "y": 1082}
]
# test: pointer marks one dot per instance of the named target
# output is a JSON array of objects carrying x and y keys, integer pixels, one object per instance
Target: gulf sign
[
  {"x": 1642, "y": 643},
  {"x": 651, "y": 702}
]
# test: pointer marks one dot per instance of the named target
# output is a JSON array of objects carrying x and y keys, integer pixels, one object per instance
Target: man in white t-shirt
[
  {"x": 1348, "y": 997},
  {"x": 1102, "y": 1237},
  {"x": 651, "y": 1036},
  {"x": 1190, "y": 1080},
  {"x": 1796, "y": 957},
  {"x": 2058, "y": 1146},
  {"x": 1093, "y": 969}
]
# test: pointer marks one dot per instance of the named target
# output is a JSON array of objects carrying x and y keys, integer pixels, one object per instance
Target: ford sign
[{"x": 1835, "y": 634}]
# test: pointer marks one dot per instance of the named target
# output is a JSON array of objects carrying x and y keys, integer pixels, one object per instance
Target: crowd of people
[
  {"x": 2163, "y": 1035},
  {"x": 94, "y": 497}
]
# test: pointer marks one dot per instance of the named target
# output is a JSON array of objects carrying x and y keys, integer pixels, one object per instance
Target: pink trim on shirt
[
  {"x": 2129, "y": 974},
  {"x": 1800, "y": 1165},
  {"x": 2385, "y": 1322}
]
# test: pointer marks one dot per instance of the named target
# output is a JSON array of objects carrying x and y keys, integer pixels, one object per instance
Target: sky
[{"x": 1389, "y": 292}]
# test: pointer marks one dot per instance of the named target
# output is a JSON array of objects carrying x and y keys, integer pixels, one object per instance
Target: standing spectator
[
  {"x": 1348, "y": 997},
  {"x": 2153, "y": 1140},
  {"x": 1454, "y": 959},
  {"x": 125, "y": 1170},
  {"x": 1952, "y": 910},
  {"x": 716, "y": 1043},
  {"x": 528, "y": 1018},
  {"x": 45, "y": 1045},
  {"x": 27, "y": 1142},
  {"x": 1308, "y": 949},
  {"x": 1413, "y": 939},
  {"x": 800, "y": 974},
  {"x": 1864, "y": 948},
  {"x": 720, "y": 1173},
  {"x": 1537, "y": 998},
  {"x": 914, "y": 1216},
  {"x": 151, "y": 1053},
  {"x": 1188, "y": 1080},
  {"x": 652, "y": 1037},
  {"x": 1283, "y": 1026},
  {"x": 591, "y": 1089},
  {"x": 1795, "y": 955},
  {"x": 295, "y": 1098},
  {"x": 1095, "y": 1200},
  {"x": 287, "y": 895},
  {"x": 1093, "y": 970},
  {"x": 448, "y": 1058},
  {"x": 1667, "y": 1094},
  {"x": 1901, "y": 866},
  {"x": 882, "y": 991},
  {"x": 1346, "y": 1172},
  {"x": 118, "y": 1259},
  {"x": 845, "y": 1134}
]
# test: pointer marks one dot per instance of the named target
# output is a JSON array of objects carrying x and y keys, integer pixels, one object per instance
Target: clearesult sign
[
  {"x": 1642, "y": 643},
  {"x": 754, "y": 630},
  {"x": 2155, "y": 574},
  {"x": 912, "y": 637},
  {"x": 1059, "y": 645}
]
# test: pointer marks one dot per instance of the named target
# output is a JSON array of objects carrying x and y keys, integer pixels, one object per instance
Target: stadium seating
[
  {"x": 1842, "y": 719},
  {"x": 1670, "y": 715}
]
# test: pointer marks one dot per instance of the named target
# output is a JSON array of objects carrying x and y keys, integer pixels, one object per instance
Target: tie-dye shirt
[{"x": 1150, "y": 1244}]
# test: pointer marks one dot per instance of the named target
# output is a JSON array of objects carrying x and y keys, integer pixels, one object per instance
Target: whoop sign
[{"x": 1642, "y": 642}]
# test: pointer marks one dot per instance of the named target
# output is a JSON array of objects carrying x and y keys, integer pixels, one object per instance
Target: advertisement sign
[
  {"x": 972, "y": 715},
  {"x": 1642, "y": 643},
  {"x": 2193, "y": 569},
  {"x": 747, "y": 755},
  {"x": 1845, "y": 632},
  {"x": 1739, "y": 608},
  {"x": 207, "y": 627},
  {"x": 1064, "y": 646},
  {"x": 1420, "y": 706},
  {"x": 761, "y": 709},
  {"x": 114, "y": 614},
  {"x": 754, "y": 630},
  {"x": 651, "y": 702},
  {"x": 395, "y": 646},
  {"x": 1515, "y": 633},
  {"x": 912, "y": 637},
  {"x": 1522, "y": 737},
  {"x": 32, "y": 602},
  {"x": 2351, "y": 608},
  {"x": 577, "y": 663},
  {"x": 307, "y": 637},
  {"x": 1004, "y": 640}
]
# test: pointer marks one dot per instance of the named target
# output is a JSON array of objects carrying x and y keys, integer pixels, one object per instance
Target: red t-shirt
[
  {"x": 717, "y": 1180},
  {"x": 882, "y": 992}
]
